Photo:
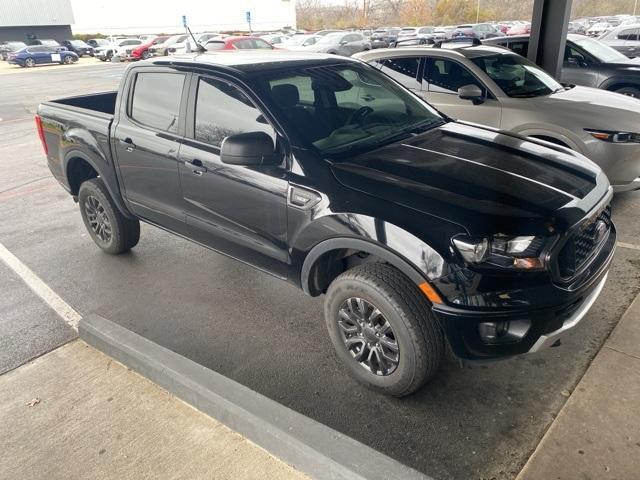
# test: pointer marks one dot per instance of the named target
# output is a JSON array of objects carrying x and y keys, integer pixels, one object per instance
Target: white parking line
[
  {"x": 628, "y": 245},
  {"x": 62, "y": 308}
]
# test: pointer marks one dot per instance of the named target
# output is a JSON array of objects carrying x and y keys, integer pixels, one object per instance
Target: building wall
[
  {"x": 57, "y": 32},
  {"x": 35, "y": 12}
]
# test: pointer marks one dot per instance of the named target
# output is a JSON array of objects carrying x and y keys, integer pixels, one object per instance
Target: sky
[{"x": 146, "y": 16}]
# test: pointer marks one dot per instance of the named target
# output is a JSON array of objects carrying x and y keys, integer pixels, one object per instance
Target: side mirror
[
  {"x": 252, "y": 148},
  {"x": 343, "y": 42},
  {"x": 471, "y": 92}
]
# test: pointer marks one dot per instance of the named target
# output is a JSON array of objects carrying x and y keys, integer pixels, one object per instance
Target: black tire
[
  {"x": 29, "y": 62},
  {"x": 145, "y": 55},
  {"x": 630, "y": 91},
  {"x": 418, "y": 337},
  {"x": 122, "y": 233}
]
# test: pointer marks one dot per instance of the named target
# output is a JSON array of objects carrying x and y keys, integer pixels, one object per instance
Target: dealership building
[{"x": 27, "y": 20}]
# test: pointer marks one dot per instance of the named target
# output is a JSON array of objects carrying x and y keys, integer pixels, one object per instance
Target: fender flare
[
  {"x": 115, "y": 195},
  {"x": 356, "y": 244}
]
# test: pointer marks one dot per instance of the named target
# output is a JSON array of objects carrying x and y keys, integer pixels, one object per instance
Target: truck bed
[{"x": 97, "y": 102}]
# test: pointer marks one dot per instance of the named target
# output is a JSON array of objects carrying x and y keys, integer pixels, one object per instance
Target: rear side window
[
  {"x": 223, "y": 110},
  {"x": 521, "y": 48},
  {"x": 404, "y": 70},
  {"x": 156, "y": 100}
]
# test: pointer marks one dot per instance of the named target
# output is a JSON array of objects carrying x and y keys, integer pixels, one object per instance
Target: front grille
[{"x": 583, "y": 244}]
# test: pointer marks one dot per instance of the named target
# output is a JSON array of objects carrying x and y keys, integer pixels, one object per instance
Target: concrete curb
[{"x": 309, "y": 446}]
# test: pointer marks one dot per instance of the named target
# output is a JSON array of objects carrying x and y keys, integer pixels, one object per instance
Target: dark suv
[
  {"x": 588, "y": 62},
  {"x": 324, "y": 172}
]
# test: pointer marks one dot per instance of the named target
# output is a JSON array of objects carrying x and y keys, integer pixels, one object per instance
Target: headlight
[
  {"x": 521, "y": 252},
  {"x": 614, "y": 137}
]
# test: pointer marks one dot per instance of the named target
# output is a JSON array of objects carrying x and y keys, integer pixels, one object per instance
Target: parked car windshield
[
  {"x": 599, "y": 50},
  {"x": 342, "y": 109},
  {"x": 78, "y": 43},
  {"x": 330, "y": 39},
  {"x": 516, "y": 75}
]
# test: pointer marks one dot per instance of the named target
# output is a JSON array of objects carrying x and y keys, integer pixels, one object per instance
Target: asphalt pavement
[{"x": 470, "y": 422}]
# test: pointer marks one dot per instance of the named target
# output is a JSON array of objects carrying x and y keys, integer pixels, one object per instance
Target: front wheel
[
  {"x": 67, "y": 60},
  {"x": 29, "y": 62},
  {"x": 383, "y": 329},
  {"x": 110, "y": 230},
  {"x": 629, "y": 91},
  {"x": 145, "y": 55}
]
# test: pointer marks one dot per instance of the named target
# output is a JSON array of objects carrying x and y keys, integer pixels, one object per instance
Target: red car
[
  {"x": 141, "y": 52},
  {"x": 238, "y": 43},
  {"x": 520, "y": 29}
]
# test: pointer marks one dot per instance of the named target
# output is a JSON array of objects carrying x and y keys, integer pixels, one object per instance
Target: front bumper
[
  {"x": 627, "y": 187},
  {"x": 552, "y": 311}
]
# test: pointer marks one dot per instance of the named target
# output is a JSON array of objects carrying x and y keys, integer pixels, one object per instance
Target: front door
[
  {"x": 146, "y": 142},
  {"x": 237, "y": 210},
  {"x": 441, "y": 81},
  {"x": 579, "y": 68}
]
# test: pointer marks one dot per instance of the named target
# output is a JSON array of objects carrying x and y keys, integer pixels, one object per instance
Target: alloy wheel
[
  {"x": 368, "y": 336},
  {"x": 98, "y": 219}
]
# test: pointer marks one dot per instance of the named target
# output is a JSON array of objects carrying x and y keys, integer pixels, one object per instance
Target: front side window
[
  {"x": 156, "y": 100},
  {"x": 354, "y": 108},
  {"x": 447, "y": 76},
  {"x": 517, "y": 76},
  {"x": 223, "y": 110}
]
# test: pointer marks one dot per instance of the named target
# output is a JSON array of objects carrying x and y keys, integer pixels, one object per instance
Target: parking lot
[{"x": 471, "y": 422}]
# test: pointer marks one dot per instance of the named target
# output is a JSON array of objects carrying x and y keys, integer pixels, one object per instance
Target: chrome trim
[
  {"x": 545, "y": 341},
  {"x": 627, "y": 187}
]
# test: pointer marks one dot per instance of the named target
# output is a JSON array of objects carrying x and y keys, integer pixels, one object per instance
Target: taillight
[{"x": 41, "y": 134}]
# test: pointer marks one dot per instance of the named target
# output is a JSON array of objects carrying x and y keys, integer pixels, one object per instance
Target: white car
[
  {"x": 598, "y": 29},
  {"x": 115, "y": 48},
  {"x": 299, "y": 42},
  {"x": 202, "y": 38},
  {"x": 498, "y": 88},
  {"x": 275, "y": 38},
  {"x": 162, "y": 49}
]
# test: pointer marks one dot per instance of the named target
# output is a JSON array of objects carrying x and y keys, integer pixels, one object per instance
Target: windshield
[
  {"x": 297, "y": 40},
  {"x": 599, "y": 50},
  {"x": 16, "y": 45},
  {"x": 330, "y": 39},
  {"x": 78, "y": 43},
  {"x": 342, "y": 109},
  {"x": 49, "y": 43},
  {"x": 516, "y": 76}
]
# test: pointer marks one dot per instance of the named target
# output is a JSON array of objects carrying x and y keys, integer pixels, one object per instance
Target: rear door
[
  {"x": 146, "y": 142},
  {"x": 443, "y": 77},
  {"x": 235, "y": 209}
]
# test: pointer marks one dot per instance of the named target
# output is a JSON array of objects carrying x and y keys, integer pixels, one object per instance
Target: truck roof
[{"x": 250, "y": 61}]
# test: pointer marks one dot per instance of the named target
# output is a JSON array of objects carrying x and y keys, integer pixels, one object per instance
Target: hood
[
  {"x": 632, "y": 65},
  {"x": 483, "y": 180},
  {"x": 577, "y": 104}
]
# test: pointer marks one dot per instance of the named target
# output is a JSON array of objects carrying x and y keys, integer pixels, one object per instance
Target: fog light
[{"x": 507, "y": 331}]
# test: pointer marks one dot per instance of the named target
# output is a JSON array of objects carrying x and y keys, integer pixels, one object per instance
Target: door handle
[
  {"x": 128, "y": 144},
  {"x": 197, "y": 166}
]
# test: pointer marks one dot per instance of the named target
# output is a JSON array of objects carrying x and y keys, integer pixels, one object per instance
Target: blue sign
[
  {"x": 248, "y": 14},
  {"x": 184, "y": 21}
]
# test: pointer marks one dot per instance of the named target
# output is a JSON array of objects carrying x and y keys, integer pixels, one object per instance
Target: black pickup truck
[{"x": 424, "y": 233}]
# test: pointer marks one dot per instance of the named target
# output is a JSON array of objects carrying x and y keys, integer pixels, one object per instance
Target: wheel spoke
[
  {"x": 368, "y": 336},
  {"x": 390, "y": 343}
]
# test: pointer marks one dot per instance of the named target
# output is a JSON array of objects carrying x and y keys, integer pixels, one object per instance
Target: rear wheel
[
  {"x": 629, "y": 91},
  {"x": 29, "y": 62},
  {"x": 383, "y": 329},
  {"x": 145, "y": 55},
  {"x": 110, "y": 230},
  {"x": 67, "y": 60}
]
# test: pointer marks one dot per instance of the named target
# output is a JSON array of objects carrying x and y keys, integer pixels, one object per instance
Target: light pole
[
  {"x": 478, "y": 12},
  {"x": 635, "y": 7}
]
